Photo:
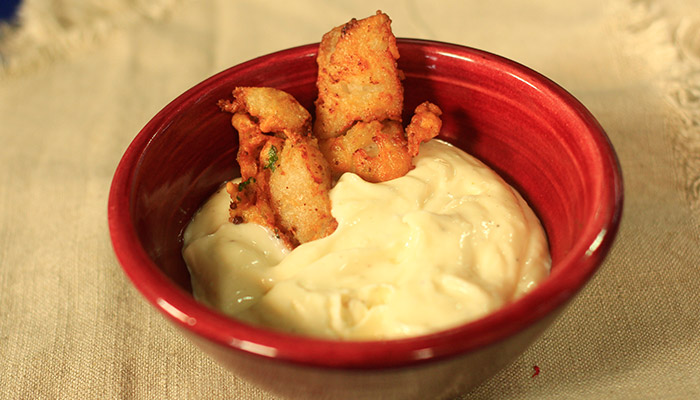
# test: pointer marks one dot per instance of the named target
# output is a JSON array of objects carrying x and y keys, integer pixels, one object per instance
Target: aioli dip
[{"x": 445, "y": 244}]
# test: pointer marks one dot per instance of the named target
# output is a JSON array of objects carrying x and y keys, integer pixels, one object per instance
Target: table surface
[{"x": 78, "y": 82}]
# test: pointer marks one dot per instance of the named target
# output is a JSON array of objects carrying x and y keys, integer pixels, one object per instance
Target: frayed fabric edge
[
  {"x": 667, "y": 36},
  {"x": 45, "y": 31}
]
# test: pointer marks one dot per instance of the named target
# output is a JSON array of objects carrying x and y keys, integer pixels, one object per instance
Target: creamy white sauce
[{"x": 446, "y": 244}]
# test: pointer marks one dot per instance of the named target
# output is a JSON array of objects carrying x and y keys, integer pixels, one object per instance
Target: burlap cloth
[{"x": 76, "y": 86}]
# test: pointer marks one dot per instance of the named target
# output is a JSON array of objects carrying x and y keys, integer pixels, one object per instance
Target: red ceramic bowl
[{"x": 531, "y": 131}]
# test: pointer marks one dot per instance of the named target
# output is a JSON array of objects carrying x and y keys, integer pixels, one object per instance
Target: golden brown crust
[
  {"x": 360, "y": 101},
  {"x": 299, "y": 189},
  {"x": 425, "y": 125},
  {"x": 376, "y": 151},
  {"x": 285, "y": 179},
  {"x": 286, "y": 172},
  {"x": 358, "y": 76}
]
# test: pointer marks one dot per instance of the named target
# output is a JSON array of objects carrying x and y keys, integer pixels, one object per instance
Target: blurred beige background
[{"x": 79, "y": 79}]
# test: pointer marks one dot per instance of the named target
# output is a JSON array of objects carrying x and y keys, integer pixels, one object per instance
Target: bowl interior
[{"x": 539, "y": 138}]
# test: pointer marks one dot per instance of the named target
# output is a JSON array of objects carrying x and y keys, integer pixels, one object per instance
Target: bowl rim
[{"x": 181, "y": 308}]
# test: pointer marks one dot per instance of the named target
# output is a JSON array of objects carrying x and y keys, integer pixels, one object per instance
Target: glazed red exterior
[{"x": 531, "y": 131}]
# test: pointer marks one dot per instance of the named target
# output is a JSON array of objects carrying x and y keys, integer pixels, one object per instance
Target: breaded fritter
[
  {"x": 381, "y": 151},
  {"x": 287, "y": 171},
  {"x": 373, "y": 150},
  {"x": 360, "y": 101},
  {"x": 285, "y": 179},
  {"x": 358, "y": 78},
  {"x": 299, "y": 188}
]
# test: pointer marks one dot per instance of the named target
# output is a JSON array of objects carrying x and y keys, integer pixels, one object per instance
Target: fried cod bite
[
  {"x": 358, "y": 79},
  {"x": 288, "y": 164},
  {"x": 285, "y": 179},
  {"x": 360, "y": 102}
]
